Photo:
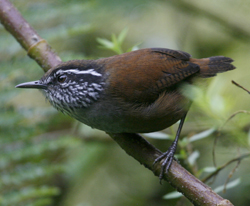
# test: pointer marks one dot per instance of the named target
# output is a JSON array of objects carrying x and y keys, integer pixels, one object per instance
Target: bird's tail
[{"x": 211, "y": 66}]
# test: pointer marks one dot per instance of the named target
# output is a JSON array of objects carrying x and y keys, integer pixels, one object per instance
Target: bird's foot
[{"x": 167, "y": 158}]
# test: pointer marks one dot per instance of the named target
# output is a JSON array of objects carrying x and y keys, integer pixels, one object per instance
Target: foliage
[
  {"x": 116, "y": 43},
  {"x": 47, "y": 158}
]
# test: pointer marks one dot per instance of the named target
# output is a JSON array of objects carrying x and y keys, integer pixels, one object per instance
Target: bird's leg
[{"x": 168, "y": 156}]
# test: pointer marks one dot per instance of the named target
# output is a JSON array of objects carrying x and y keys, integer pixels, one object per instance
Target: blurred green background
[{"x": 47, "y": 158}]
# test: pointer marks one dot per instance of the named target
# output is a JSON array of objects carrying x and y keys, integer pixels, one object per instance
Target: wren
[{"x": 135, "y": 92}]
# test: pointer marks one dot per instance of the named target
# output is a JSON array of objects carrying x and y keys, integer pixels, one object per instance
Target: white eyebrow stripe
[{"x": 76, "y": 71}]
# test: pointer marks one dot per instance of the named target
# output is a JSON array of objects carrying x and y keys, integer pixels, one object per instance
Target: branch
[
  {"x": 136, "y": 146},
  {"x": 238, "y": 85},
  {"x": 36, "y": 47},
  {"x": 237, "y": 159},
  {"x": 191, "y": 187}
]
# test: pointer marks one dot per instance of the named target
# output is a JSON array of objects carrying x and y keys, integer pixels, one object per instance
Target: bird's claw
[{"x": 167, "y": 158}]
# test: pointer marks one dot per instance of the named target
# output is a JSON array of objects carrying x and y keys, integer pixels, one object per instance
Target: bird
[{"x": 135, "y": 92}]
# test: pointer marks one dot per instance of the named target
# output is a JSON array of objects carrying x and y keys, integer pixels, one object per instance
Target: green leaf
[
  {"x": 230, "y": 185},
  {"x": 116, "y": 42},
  {"x": 201, "y": 135},
  {"x": 209, "y": 169},
  {"x": 106, "y": 43},
  {"x": 114, "y": 39},
  {"x": 122, "y": 35},
  {"x": 133, "y": 48},
  {"x": 157, "y": 135},
  {"x": 30, "y": 193},
  {"x": 172, "y": 195},
  {"x": 193, "y": 157}
]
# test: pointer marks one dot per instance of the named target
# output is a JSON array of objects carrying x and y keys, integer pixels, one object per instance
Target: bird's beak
[{"x": 32, "y": 85}]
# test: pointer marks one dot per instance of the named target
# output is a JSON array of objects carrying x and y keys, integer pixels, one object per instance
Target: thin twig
[
  {"x": 231, "y": 174},
  {"x": 219, "y": 131},
  {"x": 238, "y": 85},
  {"x": 225, "y": 165}
]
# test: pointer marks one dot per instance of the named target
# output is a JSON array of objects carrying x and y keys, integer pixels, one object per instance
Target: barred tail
[{"x": 211, "y": 66}]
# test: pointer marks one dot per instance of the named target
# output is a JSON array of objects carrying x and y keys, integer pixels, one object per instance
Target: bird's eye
[{"x": 61, "y": 79}]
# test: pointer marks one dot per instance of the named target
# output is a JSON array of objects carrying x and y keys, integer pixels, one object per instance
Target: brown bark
[{"x": 36, "y": 47}]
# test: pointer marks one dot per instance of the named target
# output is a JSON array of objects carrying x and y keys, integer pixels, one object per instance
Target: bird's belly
[
  {"x": 113, "y": 119},
  {"x": 131, "y": 124}
]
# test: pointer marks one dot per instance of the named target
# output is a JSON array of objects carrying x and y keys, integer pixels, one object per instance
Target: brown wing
[
  {"x": 180, "y": 70},
  {"x": 142, "y": 75}
]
